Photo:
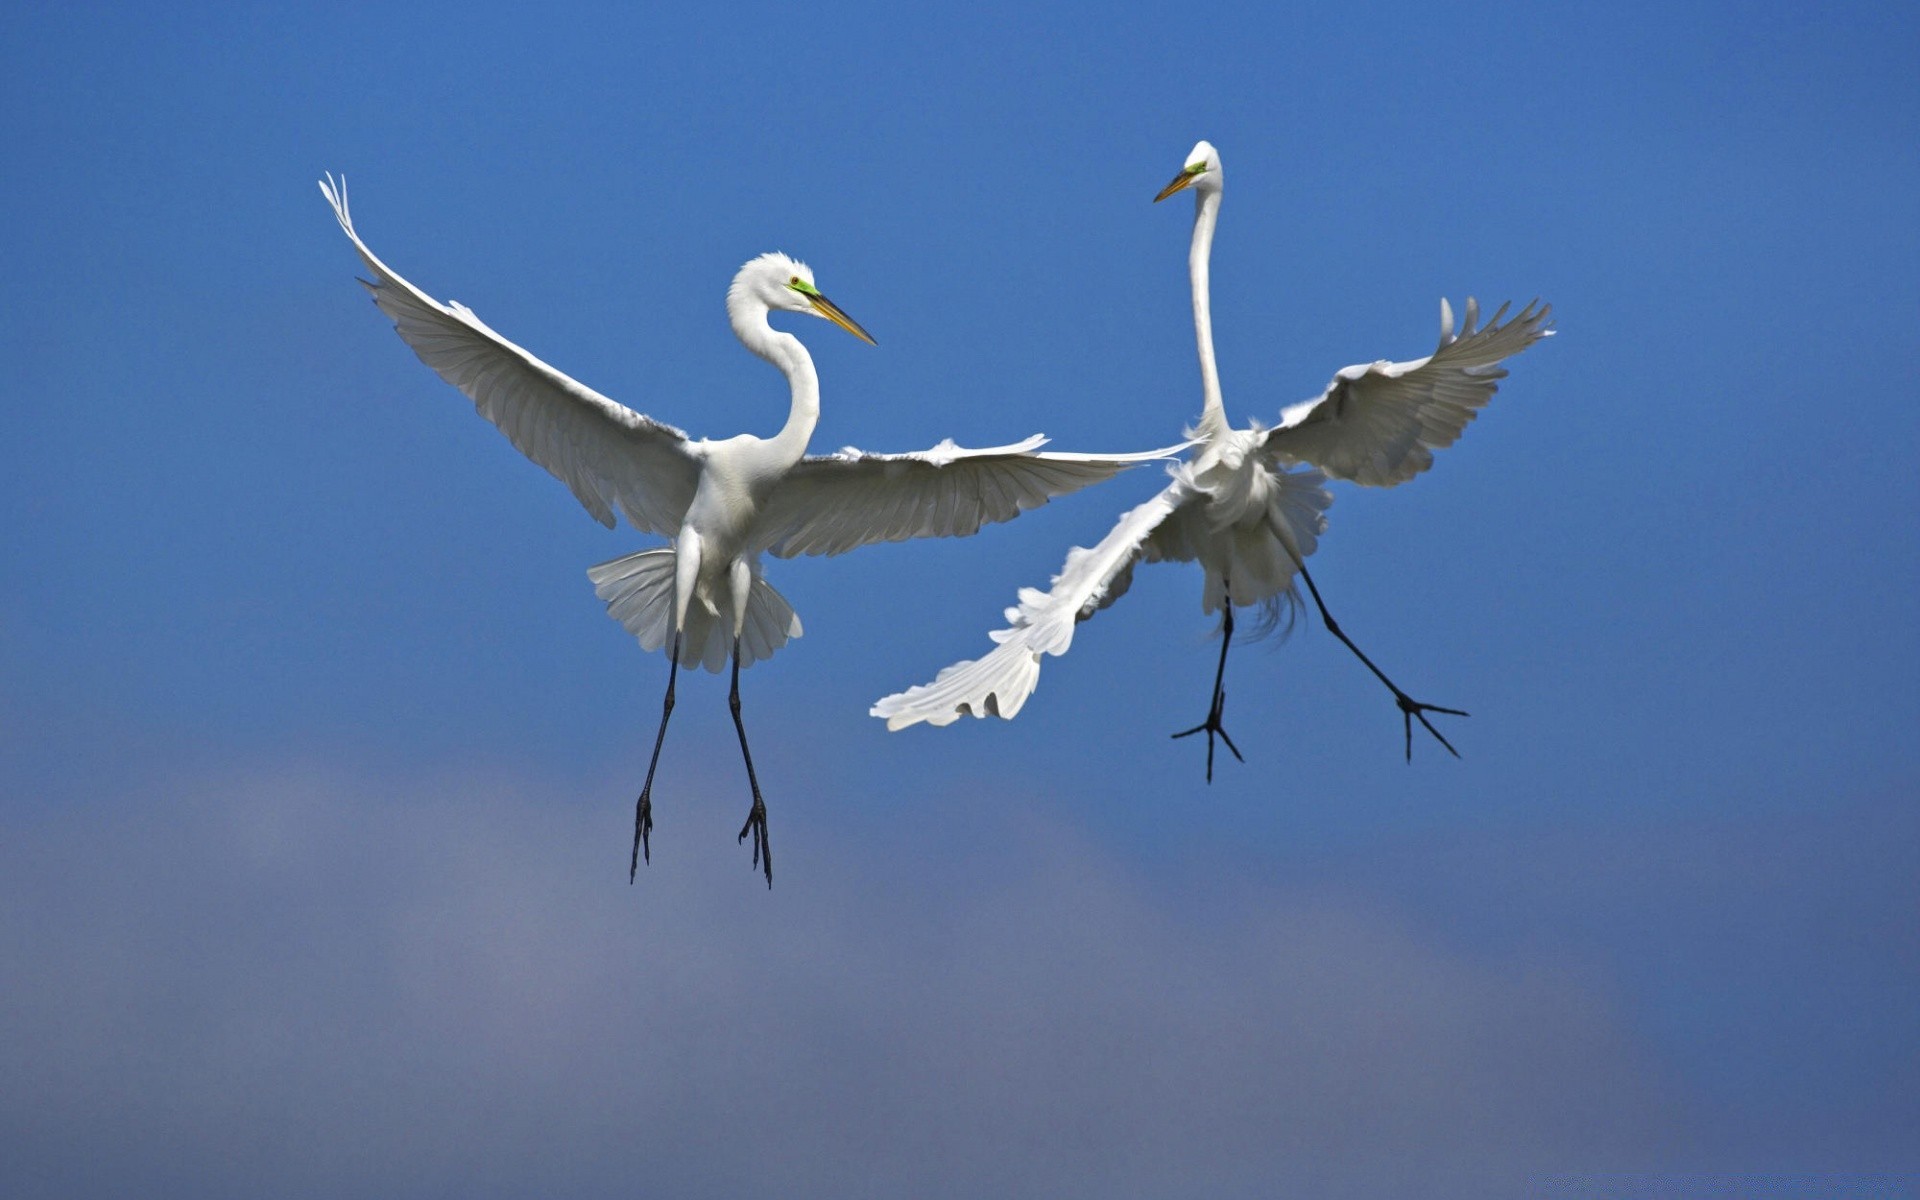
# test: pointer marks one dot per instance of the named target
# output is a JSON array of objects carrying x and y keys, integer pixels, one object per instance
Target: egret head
[
  {"x": 775, "y": 281},
  {"x": 1202, "y": 172}
]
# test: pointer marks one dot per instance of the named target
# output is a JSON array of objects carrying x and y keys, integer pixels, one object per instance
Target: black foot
[
  {"x": 643, "y": 807},
  {"x": 1211, "y": 726},
  {"x": 642, "y": 831},
  {"x": 1411, "y": 709},
  {"x": 762, "y": 849}
]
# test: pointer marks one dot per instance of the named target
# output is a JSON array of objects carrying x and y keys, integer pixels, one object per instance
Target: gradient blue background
[{"x": 317, "y": 753}]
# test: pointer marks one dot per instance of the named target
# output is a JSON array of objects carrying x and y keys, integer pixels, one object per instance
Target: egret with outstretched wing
[
  {"x": 1249, "y": 505},
  {"x": 724, "y": 502}
]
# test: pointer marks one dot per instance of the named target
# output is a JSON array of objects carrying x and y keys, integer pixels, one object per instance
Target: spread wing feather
[
  {"x": 607, "y": 454},
  {"x": 1379, "y": 423},
  {"x": 829, "y": 504},
  {"x": 999, "y": 683}
]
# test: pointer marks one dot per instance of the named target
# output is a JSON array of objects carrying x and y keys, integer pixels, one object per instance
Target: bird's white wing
[
  {"x": 828, "y": 504},
  {"x": 1042, "y": 623},
  {"x": 609, "y": 455},
  {"x": 1379, "y": 423}
]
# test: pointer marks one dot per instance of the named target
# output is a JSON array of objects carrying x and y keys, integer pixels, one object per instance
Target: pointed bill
[
  {"x": 831, "y": 312},
  {"x": 1180, "y": 183}
]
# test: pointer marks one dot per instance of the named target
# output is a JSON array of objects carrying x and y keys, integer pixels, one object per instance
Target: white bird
[
  {"x": 721, "y": 502},
  {"x": 1243, "y": 505}
]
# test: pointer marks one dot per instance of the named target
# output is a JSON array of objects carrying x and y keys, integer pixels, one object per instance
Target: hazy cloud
[{"x": 316, "y": 984}]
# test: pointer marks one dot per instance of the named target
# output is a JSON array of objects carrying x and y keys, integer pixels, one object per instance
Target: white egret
[
  {"x": 1244, "y": 505},
  {"x": 721, "y": 502}
]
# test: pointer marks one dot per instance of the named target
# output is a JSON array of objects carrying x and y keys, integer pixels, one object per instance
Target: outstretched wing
[
  {"x": 607, "y": 454},
  {"x": 1379, "y": 423},
  {"x": 828, "y": 504},
  {"x": 1042, "y": 623}
]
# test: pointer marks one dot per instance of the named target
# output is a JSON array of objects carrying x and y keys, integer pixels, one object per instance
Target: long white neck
[
  {"x": 1206, "y": 213},
  {"x": 785, "y": 351}
]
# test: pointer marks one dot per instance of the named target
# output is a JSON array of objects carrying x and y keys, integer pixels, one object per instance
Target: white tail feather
[{"x": 638, "y": 590}]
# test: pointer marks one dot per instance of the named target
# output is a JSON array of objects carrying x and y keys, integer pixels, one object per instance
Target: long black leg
[
  {"x": 643, "y": 808},
  {"x": 1212, "y": 724},
  {"x": 1410, "y": 709},
  {"x": 757, "y": 816}
]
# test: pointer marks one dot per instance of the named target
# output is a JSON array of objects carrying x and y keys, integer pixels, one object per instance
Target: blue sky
[{"x": 317, "y": 753}]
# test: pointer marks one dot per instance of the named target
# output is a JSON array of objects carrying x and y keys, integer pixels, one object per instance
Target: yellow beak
[
  {"x": 831, "y": 312},
  {"x": 1180, "y": 183}
]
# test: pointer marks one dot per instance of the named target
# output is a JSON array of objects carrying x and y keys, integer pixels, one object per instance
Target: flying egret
[
  {"x": 1244, "y": 505},
  {"x": 721, "y": 502}
]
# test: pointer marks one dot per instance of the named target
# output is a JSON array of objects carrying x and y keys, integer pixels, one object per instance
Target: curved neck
[
  {"x": 1206, "y": 213},
  {"x": 786, "y": 352}
]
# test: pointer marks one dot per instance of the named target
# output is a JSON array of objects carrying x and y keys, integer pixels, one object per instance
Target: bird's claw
[
  {"x": 1210, "y": 727},
  {"x": 1411, "y": 709},
  {"x": 762, "y": 848},
  {"x": 642, "y": 831}
]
